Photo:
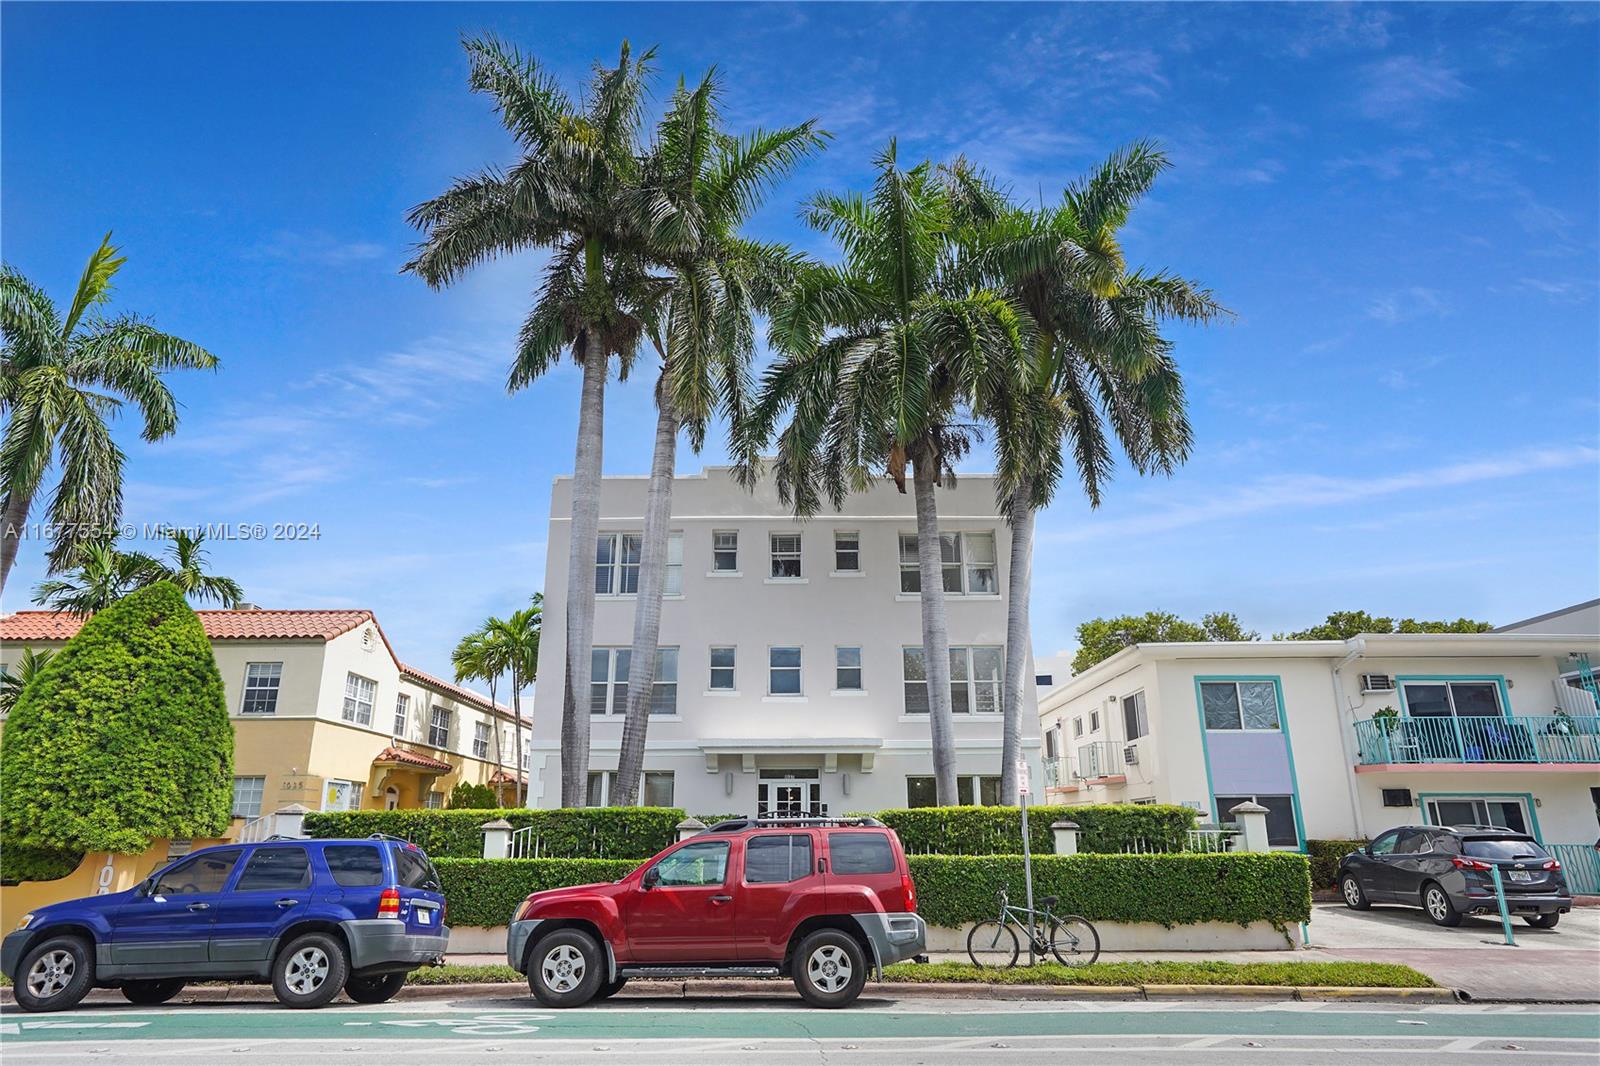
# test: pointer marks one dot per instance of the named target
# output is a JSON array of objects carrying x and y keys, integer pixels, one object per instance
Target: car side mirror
[
  {"x": 1367, "y": 851},
  {"x": 652, "y": 878}
]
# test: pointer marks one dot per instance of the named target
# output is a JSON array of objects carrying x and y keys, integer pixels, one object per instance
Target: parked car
[
  {"x": 1448, "y": 872},
  {"x": 310, "y": 916},
  {"x": 822, "y": 901}
]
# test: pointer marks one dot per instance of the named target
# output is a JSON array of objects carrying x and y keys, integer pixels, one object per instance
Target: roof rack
[
  {"x": 388, "y": 836},
  {"x": 771, "y": 821}
]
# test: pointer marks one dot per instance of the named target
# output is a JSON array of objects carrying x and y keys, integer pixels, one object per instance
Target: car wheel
[
  {"x": 1354, "y": 897},
  {"x": 55, "y": 975},
  {"x": 566, "y": 968},
  {"x": 830, "y": 969},
  {"x": 1437, "y": 903},
  {"x": 379, "y": 988},
  {"x": 1543, "y": 921},
  {"x": 151, "y": 993},
  {"x": 608, "y": 990},
  {"x": 310, "y": 971}
]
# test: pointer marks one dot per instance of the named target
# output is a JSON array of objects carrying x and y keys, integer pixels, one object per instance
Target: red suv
[{"x": 820, "y": 900}]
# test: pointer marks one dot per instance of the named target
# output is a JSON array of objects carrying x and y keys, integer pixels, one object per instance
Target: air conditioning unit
[
  {"x": 1130, "y": 754},
  {"x": 1397, "y": 797},
  {"x": 1377, "y": 683}
]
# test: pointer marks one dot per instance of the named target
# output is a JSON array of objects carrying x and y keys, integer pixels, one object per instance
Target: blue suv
[{"x": 311, "y": 916}]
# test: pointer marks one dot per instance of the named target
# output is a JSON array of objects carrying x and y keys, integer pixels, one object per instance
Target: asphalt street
[{"x": 515, "y": 1029}]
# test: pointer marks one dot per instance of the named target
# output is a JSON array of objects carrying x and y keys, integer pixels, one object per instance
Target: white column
[
  {"x": 496, "y": 838},
  {"x": 1066, "y": 834},
  {"x": 290, "y": 821},
  {"x": 1252, "y": 820}
]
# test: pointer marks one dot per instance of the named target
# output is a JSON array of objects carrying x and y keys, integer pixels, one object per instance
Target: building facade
[
  {"x": 325, "y": 715},
  {"x": 790, "y": 675},
  {"x": 1341, "y": 739}
]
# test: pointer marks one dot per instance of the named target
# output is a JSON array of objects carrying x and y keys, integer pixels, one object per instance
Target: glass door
[{"x": 789, "y": 794}]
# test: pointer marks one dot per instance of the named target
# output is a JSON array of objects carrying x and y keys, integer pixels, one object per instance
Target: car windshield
[{"x": 1502, "y": 848}]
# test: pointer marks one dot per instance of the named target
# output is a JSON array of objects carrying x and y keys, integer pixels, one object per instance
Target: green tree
[
  {"x": 518, "y": 641},
  {"x": 472, "y": 797},
  {"x": 124, "y": 737},
  {"x": 1101, "y": 638},
  {"x": 702, "y": 184},
  {"x": 883, "y": 358},
  {"x": 482, "y": 656},
  {"x": 575, "y": 193},
  {"x": 13, "y": 679},
  {"x": 101, "y": 577},
  {"x": 1342, "y": 625},
  {"x": 185, "y": 565},
  {"x": 61, "y": 378}
]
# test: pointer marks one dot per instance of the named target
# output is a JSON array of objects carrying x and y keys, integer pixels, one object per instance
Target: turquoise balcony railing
[{"x": 1531, "y": 739}]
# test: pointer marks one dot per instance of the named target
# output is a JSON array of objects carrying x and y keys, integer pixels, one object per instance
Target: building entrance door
[{"x": 789, "y": 794}]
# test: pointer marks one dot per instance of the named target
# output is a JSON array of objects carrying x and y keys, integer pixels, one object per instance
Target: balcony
[
  {"x": 1099, "y": 759},
  {"x": 1511, "y": 741}
]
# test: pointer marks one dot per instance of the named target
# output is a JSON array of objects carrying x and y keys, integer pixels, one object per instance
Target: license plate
[
  {"x": 424, "y": 916},
  {"x": 1521, "y": 875}
]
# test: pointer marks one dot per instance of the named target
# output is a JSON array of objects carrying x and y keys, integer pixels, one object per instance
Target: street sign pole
[{"x": 1023, "y": 788}]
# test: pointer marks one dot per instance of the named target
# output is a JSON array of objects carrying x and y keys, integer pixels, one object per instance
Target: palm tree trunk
[
  {"x": 499, "y": 748},
  {"x": 647, "y": 608},
  {"x": 1019, "y": 583},
  {"x": 11, "y": 523},
  {"x": 935, "y": 631},
  {"x": 584, "y": 529}
]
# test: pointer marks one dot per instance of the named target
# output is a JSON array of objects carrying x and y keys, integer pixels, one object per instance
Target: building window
[
  {"x": 673, "y": 585},
  {"x": 434, "y": 800},
  {"x": 1464, "y": 699},
  {"x": 725, "y": 551},
  {"x": 480, "y": 740},
  {"x": 608, "y": 681},
  {"x": 1236, "y": 705},
  {"x": 358, "y": 693},
  {"x": 1044, "y": 680},
  {"x": 1281, "y": 831},
  {"x": 722, "y": 669},
  {"x": 526, "y": 744},
  {"x": 616, "y": 563},
  {"x": 1479, "y": 810},
  {"x": 439, "y": 726},
  {"x": 922, "y": 792},
  {"x": 1135, "y": 719},
  {"x": 783, "y": 671},
  {"x": 1094, "y": 721},
  {"x": 846, "y": 551},
  {"x": 786, "y": 555},
  {"x": 341, "y": 795},
  {"x": 402, "y": 716},
  {"x": 967, "y": 559},
  {"x": 847, "y": 669},
  {"x": 658, "y": 788},
  {"x": 1052, "y": 741},
  {"x": 261, "y": 688},
  {"x": 1077, "y": 728},
  {"x": 974, "y": 680},
  {"x": 247, "y": 792}
]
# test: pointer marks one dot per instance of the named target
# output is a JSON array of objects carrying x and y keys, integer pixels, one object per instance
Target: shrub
[
  {"x": 123, "y": 737},
  {"x": 487, "y": 892},
  {"x": 575, "y": 833},
  {"x": 1325, "y": 856},
  {"x": 20, "y": 863},
  {"x": 1106, "y": 828},
  {"x": 472, "y": 797}
]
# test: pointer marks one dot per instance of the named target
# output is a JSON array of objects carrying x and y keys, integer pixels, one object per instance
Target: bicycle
[{"x": 1073, "y": 940}]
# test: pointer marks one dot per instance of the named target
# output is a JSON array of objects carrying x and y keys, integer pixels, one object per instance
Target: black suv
[{"x": 1446, "y": 870}]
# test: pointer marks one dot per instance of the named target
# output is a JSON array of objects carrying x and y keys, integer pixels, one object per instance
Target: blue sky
[{"x": 1398, "y": 202}]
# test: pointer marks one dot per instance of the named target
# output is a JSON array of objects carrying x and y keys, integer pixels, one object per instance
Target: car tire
[
  {"x": 1355, "y": 897},
  {"x": 830, "y": 969},
  {"x": 1543, "y": 921},
  {"x": 606, "y": 991},
  {"x": 1436, "y": 901},
  {"x": 310, "y": 971},
  {"x": 566, "y": 968},
  {"x": 378, "y": 988},
  {"x": 55, "y": 975},
  {"x": 151, "y": 993}
]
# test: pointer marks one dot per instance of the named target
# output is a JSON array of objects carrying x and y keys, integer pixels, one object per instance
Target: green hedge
[
  {"x": 1325, "y": 856},
  {"x": 580, "y": 833},
  {"x": 955, "y": 889},
  {"x": 1106, "y": 828},
  {"x": 19, "y": 863}
]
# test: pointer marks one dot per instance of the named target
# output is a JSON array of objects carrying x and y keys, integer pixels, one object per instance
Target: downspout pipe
[{"x": 1346, "y": 719}]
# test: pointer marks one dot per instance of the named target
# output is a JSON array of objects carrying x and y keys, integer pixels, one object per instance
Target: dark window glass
[
  {"x": 414, "y": 869},
  {"x": 354, "y": 865},
  {"x": 989, "y": 791},
  {"x": 776, "y": 859},
  {"x": 201, "y": 874},
  {"x": 1384, "y": 844},
  {"x": 275, "y": 869},
  {"x": 964, "y": 791},
  {"x": 1503, "y": 849},
  {"x": 1412, "y": 842},
  {"x": 920, "y": 792},
  {"x": 1280, "y": 817},
  {"x": 860, "y": 853}
]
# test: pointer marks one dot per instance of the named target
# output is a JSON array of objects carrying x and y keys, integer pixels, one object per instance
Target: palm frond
[{"x": 94, "y": 287}]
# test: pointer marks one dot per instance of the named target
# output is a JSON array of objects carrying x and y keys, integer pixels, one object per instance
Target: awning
[
  {"x": 830, "y": 748},
  {"x": 411, "y": 760}
]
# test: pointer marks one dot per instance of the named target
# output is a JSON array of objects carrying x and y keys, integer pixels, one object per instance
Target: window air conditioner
[
  {"x": 1130, "y": 754},
  {"x": 1377, "y": 683}
]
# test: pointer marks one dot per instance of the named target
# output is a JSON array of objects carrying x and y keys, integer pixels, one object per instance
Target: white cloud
[
  {"x": 1410, "y": 303},
  {"x": 1404, "y": 88},
  {"x": 315, "y": 247}
]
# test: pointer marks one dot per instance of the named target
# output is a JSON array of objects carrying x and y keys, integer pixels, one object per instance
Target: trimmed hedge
[
  {"x": 955, "y": 889},
  {"x": 576, "y": 833},
  {"x": 19, "y": 863},
  {"x": 1325, "y": 856},
  {"x": 1106, "y": 828}
]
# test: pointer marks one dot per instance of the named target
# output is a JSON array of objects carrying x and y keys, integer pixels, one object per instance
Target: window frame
[
  {"x": 691, "y": 845},
  {"x": 402, "y": 715},
  {"x": 257, "y": 692},
  {"x": 840, "y": 668},
  {"x": 260, "y": 795},
  {"x": 958, "y": 561},
  {"x": 237, "y": 880},
  {"x": 615, "y": 708},
  {"x": 1094, "y": 721},
  {"x": 967, "y": 677},
  {"x": 1238, "y": 696},
  {"x": 481, "y": 733},
  {"x": 732, "y": 669},
  {"x": 355, "y": 793},
  {"x": 436, "y": 728},
  {"x": 854, "y": 537},
  {"x": 798, "y": 668},
  {"x": 1223, "y": 817},
  {"x": 718, "y": 552},
  {"x": 1139, "y": 725},
  {"x": 778, "y": 556},
  {"x": 806, "y": 869},
  {"x": 351, "y": 709}
]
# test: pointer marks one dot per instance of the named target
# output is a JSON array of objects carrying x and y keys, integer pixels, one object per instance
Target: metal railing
[
  {"x": 258, "y": 828},
  {"x": 1099, "y": 758},
  {"x": 1450, "y": 739},
  {"x": 1057, "y": 771},
  {"x": 1581, "y": 864}
]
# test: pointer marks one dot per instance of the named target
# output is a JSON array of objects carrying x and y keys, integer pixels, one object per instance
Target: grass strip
[{"x": 1294, "y": 974}]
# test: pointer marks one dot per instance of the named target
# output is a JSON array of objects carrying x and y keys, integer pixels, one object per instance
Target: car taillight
[
  {"x": 1553, "y": 864},
  {"x": 389, "y": 903},
  {"x": 1468, "y": 864},
  {"x": 910, "y": 891}
]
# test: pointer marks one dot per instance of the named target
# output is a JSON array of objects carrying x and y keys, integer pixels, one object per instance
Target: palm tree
[
  {"x": 102, "y": 577},
  {"x": 574, "y": 194},
  {"x": 478, "y": 656},
  {"x": 519, "y": 639},
  {"x": 882, "y": 357},
  {"x": 13, "y": 679},
  {"x": 61, "y": 378},
  {"x": 1100, "y": 375},
  {"x": 187, "y": 570},
  {"x": 701, "y": 185}
]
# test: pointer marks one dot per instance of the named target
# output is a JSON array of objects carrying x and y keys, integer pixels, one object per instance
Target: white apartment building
[
  {"x": 790, "y": 674},
  {"x": 1344, "y": 738}
]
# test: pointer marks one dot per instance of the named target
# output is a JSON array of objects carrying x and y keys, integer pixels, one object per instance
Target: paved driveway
[{"x": 1547, "y": 964}]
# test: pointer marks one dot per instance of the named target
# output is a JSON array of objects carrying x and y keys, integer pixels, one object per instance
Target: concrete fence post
[
  {"x": 1252, "y": 820},
  {"x": 290, "y": 821},
  {"x": 496, "y": 838},
  {"x": 689, "y": 827},
  {"x": 1066, "y": 834}
]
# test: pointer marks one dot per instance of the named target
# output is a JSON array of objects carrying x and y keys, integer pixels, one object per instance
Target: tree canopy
[
  {"x": 1342, "y": 625},
  {"x": 1101, "y": 638}
]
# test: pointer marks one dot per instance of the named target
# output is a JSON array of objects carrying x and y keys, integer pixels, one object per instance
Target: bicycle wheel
[
  {"x": 1073, "y": 941},
  {"x": 991, "y": 944}
]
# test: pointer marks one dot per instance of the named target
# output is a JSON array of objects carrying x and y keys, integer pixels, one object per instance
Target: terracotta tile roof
[
  {"x": 411, "y": 758},
  {"x": 251, "y": 624},
  {"x": 500, "y": 777},
  {"x": 466, "y": 695}
]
